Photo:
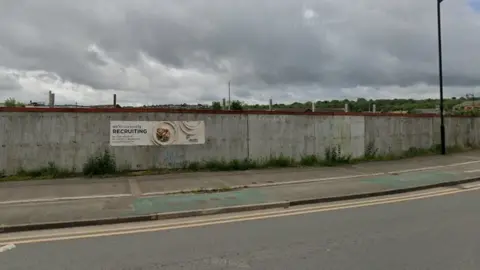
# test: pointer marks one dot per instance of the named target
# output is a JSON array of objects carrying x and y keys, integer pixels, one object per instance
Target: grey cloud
[
  {"x": 372, "y": 43},
  {"x": 9, "y": 83}
]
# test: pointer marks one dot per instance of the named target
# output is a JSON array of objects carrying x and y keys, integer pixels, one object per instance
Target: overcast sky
[{"x": 176, "y": 51}]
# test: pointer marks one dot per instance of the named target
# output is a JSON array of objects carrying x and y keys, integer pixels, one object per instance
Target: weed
[
  {"x": 49, "y": 171},
  {"x": 216, "y": 165},
  {"x": 125, "y": 168},
  {"x": 104, "y": 163},
  {"x": 457, "y": 148},
  {"x": 193, "y": 166},
  {"x": 241, "y": 165},
  {"x": 234, "y": 165},
  {"x": 309, "y": 160},
  {"x": 249, "y": 164},
  {"x": 413, "y": 152},
  {"x": 334, "y": 156},
  {"x": 280, "y": 161},
  {"x": 371, "y": 151},
  {"x": 212, "y": 190},
  {"x": 100, "y": 164}
]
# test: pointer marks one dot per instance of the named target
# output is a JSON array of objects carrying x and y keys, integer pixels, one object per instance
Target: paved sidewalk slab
[
  {"x": 64, "y": 211},
  {"x": 32, "y": 190}
]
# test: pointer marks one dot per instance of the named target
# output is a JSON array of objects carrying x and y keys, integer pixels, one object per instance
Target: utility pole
[
  {"x": 440, "y": 77},
  {"x": 229, "y": 97}
]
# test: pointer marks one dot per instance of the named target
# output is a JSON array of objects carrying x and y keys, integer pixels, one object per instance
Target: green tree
[
  {"x": 11, "y": 102},
  {"x": 362, "y": 104},
  {"x": 236, "y": 105},
  {"x": 216, "y": 105}
]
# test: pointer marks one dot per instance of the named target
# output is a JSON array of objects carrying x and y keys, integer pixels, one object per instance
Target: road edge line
[{"x": 64, "y": 199}]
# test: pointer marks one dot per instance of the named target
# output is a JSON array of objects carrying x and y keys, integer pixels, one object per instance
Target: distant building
[
  {"x": 105, "y": 106},
  {"x": 35, "y": 104}
]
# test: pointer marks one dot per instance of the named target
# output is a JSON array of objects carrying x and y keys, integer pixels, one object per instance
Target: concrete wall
[
  {"x": 32, "y": 139},
  {"x": 300, "y": 135},
  {"x": 225, "y": 138},
  {"x": 397, "y": 134},
  {"x": 462, "y": 131}
]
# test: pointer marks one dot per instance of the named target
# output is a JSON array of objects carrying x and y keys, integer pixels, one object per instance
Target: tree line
[{"x": 358, "y": 105}]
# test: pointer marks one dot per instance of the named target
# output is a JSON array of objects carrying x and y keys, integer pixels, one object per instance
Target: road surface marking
[
  {"x": 472, "y": 157},
  {"x": 223, "y": 220},
  {"x": 134, "y": 187},
  {"x": 262, "y": 214},
  {"x": 229, "y": 263},
  {"x": 313, "y": 180},
  {"x": 240, "y": 215},
  {"x": 7, "y": 247},
  {"x": 44, "y": 200},
  {"x": 435, "y": 167},
  {"x": 304, "y": 181},
  {"x": 472, "y": 171},
  {"x": 474, "y": 185}
]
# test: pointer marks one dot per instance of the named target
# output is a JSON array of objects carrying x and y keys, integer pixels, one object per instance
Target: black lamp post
[{"x": 440, "y": 75}]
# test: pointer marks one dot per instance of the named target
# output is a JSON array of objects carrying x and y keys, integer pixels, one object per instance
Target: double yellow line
[{"x": 112, "y": 230}]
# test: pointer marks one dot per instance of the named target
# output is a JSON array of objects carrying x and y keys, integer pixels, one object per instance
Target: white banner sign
[{"x": 131, "y": 133}]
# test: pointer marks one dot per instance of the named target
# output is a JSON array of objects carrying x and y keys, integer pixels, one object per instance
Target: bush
[
  {"x": 100, "y": 164},
  {"x": 193, "y": 166},
  {"x": 280, "y": 161},
  {"x": 310, "y": 160},
  {"x": 334, "y": 156},
  {"x": 216, "y": 165},
  {"x": 242, "y": 165}
]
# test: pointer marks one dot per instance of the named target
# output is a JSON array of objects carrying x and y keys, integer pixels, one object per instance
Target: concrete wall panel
[
  {"x": 398, "y": 134},
  {"x": 275, "y": 135},
  {"x": 356, "y": 145},
  {"x": 462, "y": 131},
  {"x": 346, "y": 132},
  {"x": 32, "y": 140}
]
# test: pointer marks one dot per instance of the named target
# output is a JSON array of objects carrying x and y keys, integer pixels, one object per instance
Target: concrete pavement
[
  {"x": 440, "y": 233},
  {"x": 69, "y": 200}
]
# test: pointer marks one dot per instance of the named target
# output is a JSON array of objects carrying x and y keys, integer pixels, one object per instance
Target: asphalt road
[{"x": 440, "y": 233}]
